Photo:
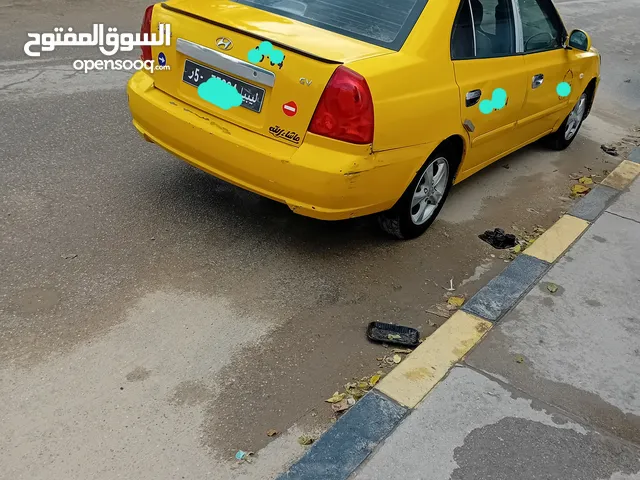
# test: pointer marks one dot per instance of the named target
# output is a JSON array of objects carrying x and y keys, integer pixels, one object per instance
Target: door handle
[
  {"x": 472, "y": 97},
  {"x": 537, "y": 80}
]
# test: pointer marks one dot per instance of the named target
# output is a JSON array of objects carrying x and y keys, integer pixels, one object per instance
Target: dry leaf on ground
[
  {"x": 335, "y": 398},
  {"x": 374, "y": 380},
  {"x": 579, "y": 190},
  {"x": 343, "y": 405},
  {"x": 456, "y": 301},
  {"x": 306, "y": 440},
  {"x": 586, "y": 180}
]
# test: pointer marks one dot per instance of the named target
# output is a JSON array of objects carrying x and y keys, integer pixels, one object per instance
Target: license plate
[{"x": 196, "y": 74}]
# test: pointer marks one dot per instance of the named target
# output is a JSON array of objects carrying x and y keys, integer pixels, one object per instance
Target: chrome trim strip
[
  {"x": 473, "y": 27},
  {"x": 225, "y": 62},
  {"x": 518, "y": 27}
]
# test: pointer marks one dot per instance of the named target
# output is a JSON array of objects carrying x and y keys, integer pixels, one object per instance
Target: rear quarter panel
[{"x": 416, "y": 98}]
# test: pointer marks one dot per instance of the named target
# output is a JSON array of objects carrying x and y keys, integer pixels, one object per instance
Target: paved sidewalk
[{"x": 553, "y": 391}]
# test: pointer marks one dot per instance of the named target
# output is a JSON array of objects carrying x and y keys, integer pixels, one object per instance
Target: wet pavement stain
[
  {"x": 138, "y": 374},
  {"x": 495, "y": 355},
  {"x": 530, "y": 450},
  {"x": 190, "y": 393},
  {"x": 35, "y": 300}
]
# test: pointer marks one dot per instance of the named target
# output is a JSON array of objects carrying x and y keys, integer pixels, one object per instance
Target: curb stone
[{"x": 339, "y": 452}]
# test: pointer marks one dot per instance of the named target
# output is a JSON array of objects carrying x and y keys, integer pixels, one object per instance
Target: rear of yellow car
[{"x": 303, "y": 133}]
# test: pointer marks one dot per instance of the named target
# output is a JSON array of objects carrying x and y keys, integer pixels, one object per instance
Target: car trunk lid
[{"x": 280, "y": 66}]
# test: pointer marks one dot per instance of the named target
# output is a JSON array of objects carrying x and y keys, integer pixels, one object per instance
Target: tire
[
  {"x": 404, "y": 221},
  {"x": 568, "y": 131}
]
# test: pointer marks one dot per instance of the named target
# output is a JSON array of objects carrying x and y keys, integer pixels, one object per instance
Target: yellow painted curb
[
  {"x": 552, "y": 243},
  {"x": 622, "y": 175},
  {"x": 410, "y": 381}
]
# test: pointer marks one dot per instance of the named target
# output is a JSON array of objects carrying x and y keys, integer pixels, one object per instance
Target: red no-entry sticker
[{"x": 290, "y": 109}]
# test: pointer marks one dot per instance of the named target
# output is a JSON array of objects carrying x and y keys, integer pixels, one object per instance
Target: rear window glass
[{"x": 386, "y": 23}]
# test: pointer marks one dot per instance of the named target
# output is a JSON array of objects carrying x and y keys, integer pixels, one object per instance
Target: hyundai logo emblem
[{"x": 224, "y": 43}]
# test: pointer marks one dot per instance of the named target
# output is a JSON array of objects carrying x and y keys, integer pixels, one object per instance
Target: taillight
[
  {"x": 345, "y": 110},
  {"x": 146, "y": 28}
]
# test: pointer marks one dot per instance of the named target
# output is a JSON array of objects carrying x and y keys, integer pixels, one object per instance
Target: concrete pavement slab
[
  {"x": 628, "y": 205},
  {"x": 473, "y": 427},
  {"x": 579, "y": 346}
]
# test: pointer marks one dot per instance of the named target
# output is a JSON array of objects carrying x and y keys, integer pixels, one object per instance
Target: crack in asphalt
[{"x": 5, "y": 87}]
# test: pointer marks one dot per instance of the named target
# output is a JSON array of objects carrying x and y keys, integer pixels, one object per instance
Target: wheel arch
[
  {"x": 458, "y": 147},
  {"x": 591, "y": 90}
]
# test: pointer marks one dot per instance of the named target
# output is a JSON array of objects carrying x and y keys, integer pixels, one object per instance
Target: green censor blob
[
  {"x": 563, "y": 89},
  {"x": 219, "y": 93},
  {"x": 265, "y": 49},
  {"x": 497, "y": 102}
]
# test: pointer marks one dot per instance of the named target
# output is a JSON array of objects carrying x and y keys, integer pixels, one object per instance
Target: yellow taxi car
[{"x": 343, "y": 108}]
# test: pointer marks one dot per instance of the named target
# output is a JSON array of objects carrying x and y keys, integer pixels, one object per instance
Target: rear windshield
[{"x": 386, "y": 23}]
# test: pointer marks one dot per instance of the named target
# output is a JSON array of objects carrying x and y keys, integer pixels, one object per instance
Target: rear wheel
[
  {"x": 423, "y": 199},
  {"x": 563, "y": 137}
]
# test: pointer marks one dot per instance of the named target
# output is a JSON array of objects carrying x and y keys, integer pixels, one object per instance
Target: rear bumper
[{"x": 321, "y": 178}]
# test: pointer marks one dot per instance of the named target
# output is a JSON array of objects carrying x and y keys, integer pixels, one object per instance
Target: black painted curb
[{"x": 350, "y": 440}]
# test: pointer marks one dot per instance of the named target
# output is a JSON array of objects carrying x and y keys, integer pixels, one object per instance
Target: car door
[
  {"x": 548, "y": 65},
  {"x": 487, "y": 66}
]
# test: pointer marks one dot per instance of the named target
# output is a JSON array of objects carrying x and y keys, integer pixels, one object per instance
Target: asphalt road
[{"x": 155, "y": 320}]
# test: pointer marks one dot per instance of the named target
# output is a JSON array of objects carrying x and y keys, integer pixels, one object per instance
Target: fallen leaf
[
  {"x": 392, "y": 336},
  {"x": 389, "y": 360},
  {"x": 519, "y": 359},
  {"x": 272, "y": 433},
  {"x": 397, "y": 359},
  {"x": 374, "y": 380},
  {"x": 456, "y": 301},
  {"x": 579, "y": 190},
  {"x": 517, "y": 248},
  {"x": 306, "y": 440},
  {"x": 552, "y": 287},
  {"x": 335, "y": 398},
  {"x": 586, "y": 180},
  {"x": 341, "y": 406},
  {"x": 440, "y": 310},
  {"x": 401, "y": 350}
]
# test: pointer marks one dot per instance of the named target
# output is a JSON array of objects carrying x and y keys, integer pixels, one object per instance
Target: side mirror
[{"x": 580, "y": 40}]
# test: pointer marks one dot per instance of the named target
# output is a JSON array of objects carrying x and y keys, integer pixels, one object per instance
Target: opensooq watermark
[{"x": 108, "y": 43}]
